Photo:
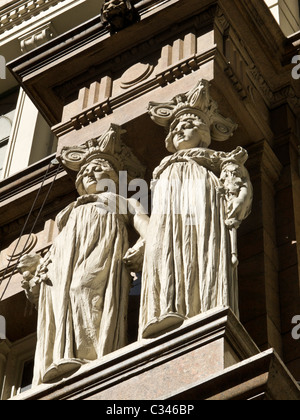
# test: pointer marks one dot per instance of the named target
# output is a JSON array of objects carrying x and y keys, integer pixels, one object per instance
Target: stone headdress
[
  {"x": 199, "y": 103},
  {"x": 107, "y": 147}
]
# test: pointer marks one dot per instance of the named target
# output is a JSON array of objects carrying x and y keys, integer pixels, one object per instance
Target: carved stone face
[
  {"x": 114, "y": 7},
  {"x": 118, "y": 14},
  {"x": 190, "y": 132},
  {"x": 93, "y": 173}
]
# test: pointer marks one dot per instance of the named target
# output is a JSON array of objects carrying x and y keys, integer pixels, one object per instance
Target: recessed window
[
  {"x": 3, "y": 150},
  {"x": 27, "y": 376},
  {"x": 8, "y": 104}
]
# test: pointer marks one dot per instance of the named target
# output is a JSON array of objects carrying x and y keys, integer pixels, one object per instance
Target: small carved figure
[{"x": 27, "y": 266}]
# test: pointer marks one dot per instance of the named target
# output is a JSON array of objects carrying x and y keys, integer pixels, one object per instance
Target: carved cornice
[
  {"x": 255, "y": 83},
  {"x": 245, "y": 74},
  {"x": 20, "y": 11}
]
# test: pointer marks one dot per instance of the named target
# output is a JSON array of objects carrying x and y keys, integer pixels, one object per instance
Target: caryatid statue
[
  {"x": 200, "y": 199},
  {"x": 81, "y": 287}
]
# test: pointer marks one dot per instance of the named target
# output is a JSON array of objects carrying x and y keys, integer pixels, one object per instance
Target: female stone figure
[
  {"x": 82, "y": 285},
  {"x": 200, "y": 199}
]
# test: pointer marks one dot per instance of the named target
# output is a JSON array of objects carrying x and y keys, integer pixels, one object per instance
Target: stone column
[
  {"x": 284, "y": 122},
  {"x": 258, "y": 270}
]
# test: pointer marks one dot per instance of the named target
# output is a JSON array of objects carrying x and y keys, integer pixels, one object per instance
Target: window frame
[{"x": 20, "y": 352}]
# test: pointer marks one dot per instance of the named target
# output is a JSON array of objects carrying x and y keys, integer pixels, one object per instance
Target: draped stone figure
[
  {"x": 200, "y": 199},
  {"x": 81, "y": 287}
]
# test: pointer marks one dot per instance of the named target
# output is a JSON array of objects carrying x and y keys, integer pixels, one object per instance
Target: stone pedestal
[
  {"x": 178, "y": 365},
  {"x": 209, "y": 357}
]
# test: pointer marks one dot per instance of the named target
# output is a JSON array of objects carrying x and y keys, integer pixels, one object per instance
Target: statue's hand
[
  {"x": 232, "y": 223},
  {"x": 134, "y": 257}
]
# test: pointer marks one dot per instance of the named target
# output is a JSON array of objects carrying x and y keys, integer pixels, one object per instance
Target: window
[
  {"x": 287, "y": 14},
  {"x": 27, "y": 376},
  {"x": 3, "y": 149},
  {"x": 8, "y": 103},
  {"x": 18, "y": 367},
  {"x": 30, "y": 137}
]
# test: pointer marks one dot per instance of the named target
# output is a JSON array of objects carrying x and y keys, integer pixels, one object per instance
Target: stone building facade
[{"x": 70, "y": 75}]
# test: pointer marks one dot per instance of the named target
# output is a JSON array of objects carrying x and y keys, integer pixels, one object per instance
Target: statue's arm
[
  {"x": 140, "y": 218},
  {"x": 135, "y": 256}
]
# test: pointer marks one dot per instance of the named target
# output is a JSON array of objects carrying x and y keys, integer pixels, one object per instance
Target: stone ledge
[
  {"x": 203, "y": 346},
  {"x": 262, "y": 377}
]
